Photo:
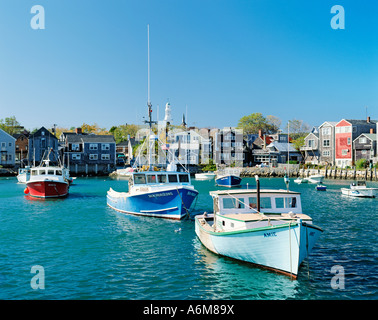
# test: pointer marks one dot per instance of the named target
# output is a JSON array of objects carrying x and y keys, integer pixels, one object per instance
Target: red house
[{"x": 345, "y": 132}]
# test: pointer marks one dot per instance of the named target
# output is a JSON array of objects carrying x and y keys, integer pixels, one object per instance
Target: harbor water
[{"x": 89, "y": 251}]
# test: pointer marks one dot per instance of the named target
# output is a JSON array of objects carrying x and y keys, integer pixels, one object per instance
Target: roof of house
[
  {"x": 6, "y": 133},
  {"x": 282, "y": 147},
  {"x": 90, "y": 138},
  {"x": 371, "y": 136},
  {"x": 39, "y": 133}
]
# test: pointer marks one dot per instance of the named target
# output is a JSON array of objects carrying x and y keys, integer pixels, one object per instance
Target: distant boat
[
  {"x": 48, "y": 181},
  {"x": 315, "y": 178},
  {"x": 321, "y": 187},
  {"x": 228, "y": 177},
  {"x": 359, "y": 189},
  {"x": 266, "y": 228},
  {"x": 22, "y": 174},
  {"x": 301, "y": 180},
  {"x": 205, "y": 175}
]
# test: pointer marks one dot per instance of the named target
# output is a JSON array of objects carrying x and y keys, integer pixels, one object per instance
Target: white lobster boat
[
  {"x": 266, "y": 228},
  {"x": 359, "y": 189},
  {"x": 205, "y": 176}
]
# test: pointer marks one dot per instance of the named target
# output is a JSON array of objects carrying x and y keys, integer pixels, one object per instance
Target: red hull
[{"x": 47, "y": 189}]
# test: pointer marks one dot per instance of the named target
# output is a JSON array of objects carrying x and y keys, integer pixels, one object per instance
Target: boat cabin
[
  {"x": 159, "y": 177},
  {"x": 46, "y": 171},
  {"x": 237, "y": 209},
  {"x": 245, "y": 201}
]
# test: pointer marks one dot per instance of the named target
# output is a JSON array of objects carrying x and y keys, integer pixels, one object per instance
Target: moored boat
[
  {"x": 205, "y": 176},
  {"x": 266, "y": 228},
  {"x": 359, "y": 189},
  {"x": 23, "y": 173},
  {"x": 47, "y": 181},
  {"x": 161, "y": 194},
  {"x": 315, "y": 178},
  {"x": 229, "y": 177}
]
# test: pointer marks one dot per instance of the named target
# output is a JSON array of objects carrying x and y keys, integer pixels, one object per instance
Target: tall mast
[{"x": 149, "y": 105}]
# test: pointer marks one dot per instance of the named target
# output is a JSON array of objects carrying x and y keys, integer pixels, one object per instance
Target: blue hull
[
  {"x": 170, "y": 204},
  {"x": 228, "y": 181}
]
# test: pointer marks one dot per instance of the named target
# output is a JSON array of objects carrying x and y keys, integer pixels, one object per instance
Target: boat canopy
[
  {"x": 245, "y": 201},
  {"x": 156, "y": 177}
]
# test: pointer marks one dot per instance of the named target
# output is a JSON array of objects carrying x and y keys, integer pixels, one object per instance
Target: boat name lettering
[
  {"x": 270, "y": 234},
  {"x": 191, "y": 194},
  {"x": 162, "y": 194}
]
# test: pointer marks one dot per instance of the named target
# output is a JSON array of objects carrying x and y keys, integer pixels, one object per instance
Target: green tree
[
  {"x": 297, "y": 128},
  {"x": 121, "y": 132},
  {"x": 11, "y": 125},
  {"x": 254, "y": 122}
]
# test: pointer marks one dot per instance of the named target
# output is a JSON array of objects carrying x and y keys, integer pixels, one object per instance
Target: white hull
[
  {"x": 315, "y": 178},
  {"x": 205, "y": 176},
  {"x": 363, "y": 193},
  {"x": 279, "y": 247}
]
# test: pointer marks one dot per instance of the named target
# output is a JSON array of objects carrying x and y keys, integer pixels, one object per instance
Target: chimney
[
  {"x": 78, "y": 131},
  {"x": 371, "y": 130},
  {"x": 368, "y": 119}
]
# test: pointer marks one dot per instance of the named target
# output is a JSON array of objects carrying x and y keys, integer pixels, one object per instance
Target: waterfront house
[
  {"x": 189, "y": 147},
  {"x": 88, "y": 153},
  {"x": 22, "y": 145},
  {"x": 311, "y": 147},
  {"x": 229, "y": 147},
  {"x": 7, "y": 149},
  {"x": 346, "y": 131},
  {"x": 327, "y": 142},
  {"x": 39, "y": 142},
  {"x": 365, "y": 146}
]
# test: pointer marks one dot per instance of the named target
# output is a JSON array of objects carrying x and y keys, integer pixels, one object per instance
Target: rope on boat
[
  {"x": 187, "y": 212},
  {"x": 291, "y": 273}
]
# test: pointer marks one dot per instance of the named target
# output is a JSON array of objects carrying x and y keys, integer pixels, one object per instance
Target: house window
[
  {"x": 326, "y": 153},
  {"x": 349, "y": 140},
  {"x": 105, "y": 146},
  {"x": 9, "y": 157},
  {"x": 311, "y": 143},
  {"x": 362, "y": 140},
  {"x": 326, "y": 131},
  {"x": 3, "y": 144},
  {"x": 364, "y": 152},
  {"x": 10, "y": 144},
  {"x": 326, "y": 143},
  {"x": 93, "y": 146},
  {"x": 93, "y": 156},
  {"x": 105, "y": 157},
  {"x": 75, "y": 147},
  {"x": 344, "y": 152},
  {"x": 76, "y": 156}
]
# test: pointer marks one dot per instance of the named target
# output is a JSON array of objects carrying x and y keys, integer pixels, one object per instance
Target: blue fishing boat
[
  {"x": 162, "y": 194},
  {"x": 228, "y": 177},
  {"x": 266, "y": 228}
]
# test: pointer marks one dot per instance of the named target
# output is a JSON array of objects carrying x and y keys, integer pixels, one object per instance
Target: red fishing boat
[{"x": 48, "y": 181}]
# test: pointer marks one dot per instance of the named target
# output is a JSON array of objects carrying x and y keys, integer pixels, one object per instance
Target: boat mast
[{"x": 149, "y": 105}]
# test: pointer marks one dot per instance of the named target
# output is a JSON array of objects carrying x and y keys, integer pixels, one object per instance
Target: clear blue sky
[{"x": 221, "y": 59}]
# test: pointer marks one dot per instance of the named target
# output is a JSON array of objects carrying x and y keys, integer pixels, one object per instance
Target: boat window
[
  {"x": 265, "y": 202},
  {"x": 287, "y": 202},
  {"x": 162, "y": 178},
  {"x": 50, "y": 172},
  {"x": 139, "y": 178},
  {"x": 232, "y": 203},
  {"x": 184, "y": 177},
  {"x": 172, "y": 178},
  {"x": 34, "y": 172},
  {"x": 151, "y": 178},
  {"x": 42, "y": 172},
  {"x": 58, "y": 172}
]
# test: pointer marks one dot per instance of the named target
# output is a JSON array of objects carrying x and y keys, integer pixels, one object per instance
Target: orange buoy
[{"x": 26, "y": 191}]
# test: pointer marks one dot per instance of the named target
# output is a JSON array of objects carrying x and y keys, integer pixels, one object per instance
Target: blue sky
[{"x": 218, "y": 59}]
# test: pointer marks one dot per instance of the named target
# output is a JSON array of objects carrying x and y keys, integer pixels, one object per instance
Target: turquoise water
[{"x": 89, "y": 251}]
